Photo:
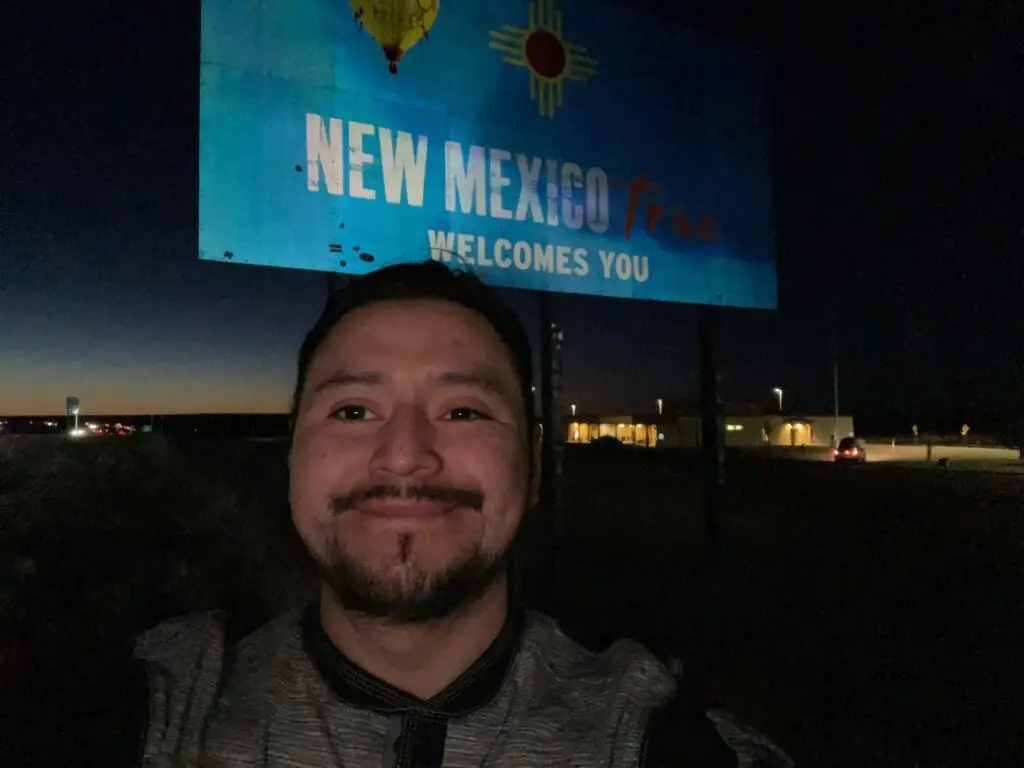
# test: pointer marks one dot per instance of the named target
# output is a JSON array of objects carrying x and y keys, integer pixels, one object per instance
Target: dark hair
[{"x": 423, "y": 280}]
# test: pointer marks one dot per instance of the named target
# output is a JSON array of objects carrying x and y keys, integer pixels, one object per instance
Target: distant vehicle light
[{"x": 79, "y": 432}]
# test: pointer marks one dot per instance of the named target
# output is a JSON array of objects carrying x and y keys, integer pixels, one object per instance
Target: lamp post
[
  {"x": 572, "y": 408},
  {"x": 660, "y": 406},
  {"x": 778, "y": 393}
]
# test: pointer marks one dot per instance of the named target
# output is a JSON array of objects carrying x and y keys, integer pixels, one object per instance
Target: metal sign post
[
  {"x": 552, "y": 436},
  {"x": 712, "y": 431},
  {"x": 335, "y": 282}
]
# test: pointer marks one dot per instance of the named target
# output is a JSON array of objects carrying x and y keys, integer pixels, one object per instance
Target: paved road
[
  {"x": 970, "y": 453},
  {"x": 964, "y": 456}
]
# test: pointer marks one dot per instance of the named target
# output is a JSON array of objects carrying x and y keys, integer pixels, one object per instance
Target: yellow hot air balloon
[{"x": 396, "y": 25}]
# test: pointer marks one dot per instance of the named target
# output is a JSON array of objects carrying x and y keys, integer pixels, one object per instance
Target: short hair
[{"x": 428, "y": 280}]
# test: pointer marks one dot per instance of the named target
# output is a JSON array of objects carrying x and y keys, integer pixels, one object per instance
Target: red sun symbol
[{"x": 545, "y": 53}]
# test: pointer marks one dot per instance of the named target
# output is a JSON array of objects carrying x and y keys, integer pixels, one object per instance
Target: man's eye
[
  {"x": 352, "y": 413},
  {"x": 465, "y": 414}
]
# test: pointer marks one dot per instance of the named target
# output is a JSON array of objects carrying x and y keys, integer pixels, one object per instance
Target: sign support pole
[
  {"x": 712, "y": 431},
  {"x": 552, "y": 434},
  {"x": 335, "y": 282}
]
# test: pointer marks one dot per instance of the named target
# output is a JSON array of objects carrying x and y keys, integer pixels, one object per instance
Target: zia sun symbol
[{"x": 541, "y": 49}]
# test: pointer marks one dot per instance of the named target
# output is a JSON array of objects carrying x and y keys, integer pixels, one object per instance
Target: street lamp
[
  {"x": 659, "y": 406},
  {"x": 573, "y": 409},
  {"x": 777, "y": 391}
]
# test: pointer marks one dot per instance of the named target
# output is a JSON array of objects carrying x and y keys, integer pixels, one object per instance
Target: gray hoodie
[{"x": 285, "y": 697}]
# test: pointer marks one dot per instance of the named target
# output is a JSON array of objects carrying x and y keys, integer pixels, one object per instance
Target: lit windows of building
[{"x": 624, "y": 429}]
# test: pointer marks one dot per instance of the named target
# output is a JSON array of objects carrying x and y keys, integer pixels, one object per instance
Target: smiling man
[{"x": 412, "y": 464}]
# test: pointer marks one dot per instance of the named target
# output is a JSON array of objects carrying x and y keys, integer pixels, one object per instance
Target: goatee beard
[{"x": 422, "y": 598}]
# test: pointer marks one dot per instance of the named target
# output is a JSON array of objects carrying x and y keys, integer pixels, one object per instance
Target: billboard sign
[{"x": 556, "y": 145}]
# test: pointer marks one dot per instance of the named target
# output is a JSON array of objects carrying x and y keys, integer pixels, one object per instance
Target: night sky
[{"x": 897, "y": 145}]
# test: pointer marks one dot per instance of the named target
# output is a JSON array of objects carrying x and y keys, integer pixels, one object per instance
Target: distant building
[
  {"x": 636, "y": 429},
  {"x": 770, "y": 429},
  {"x": 684, "y": 430}
]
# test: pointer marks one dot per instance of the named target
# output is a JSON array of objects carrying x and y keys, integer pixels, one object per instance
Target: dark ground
[{"x": 861, "y": 617}]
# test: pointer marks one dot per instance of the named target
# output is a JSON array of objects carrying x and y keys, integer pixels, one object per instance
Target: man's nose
[{"x": 407, "y": 444}]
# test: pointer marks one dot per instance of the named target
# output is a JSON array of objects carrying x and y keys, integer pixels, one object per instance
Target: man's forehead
[
  {"x": 420, "y": 314},
  {"x": 453, "y": 342},
  {"x": 473, "y": 378},
  {"x": 428, "y": 326}
]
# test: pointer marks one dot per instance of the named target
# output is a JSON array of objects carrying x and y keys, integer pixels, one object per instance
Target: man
[{"x": 413, "y": 461}]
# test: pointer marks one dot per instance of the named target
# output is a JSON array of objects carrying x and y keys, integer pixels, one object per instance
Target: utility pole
[
  {"x": 712, "y": 431},
  {"x": 835, "y": 385},
  {"x": 1020, "y": 411},
  {"x": 835, "y": 347}
]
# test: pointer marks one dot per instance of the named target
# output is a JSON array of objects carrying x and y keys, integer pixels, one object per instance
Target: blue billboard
[{"x": 556, "y": 145}]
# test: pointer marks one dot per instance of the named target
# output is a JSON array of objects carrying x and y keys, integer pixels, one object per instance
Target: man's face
[{"x": 410, "y": 461}]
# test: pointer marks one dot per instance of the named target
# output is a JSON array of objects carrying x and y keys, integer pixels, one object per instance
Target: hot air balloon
[{"x": 396, "y": 25}]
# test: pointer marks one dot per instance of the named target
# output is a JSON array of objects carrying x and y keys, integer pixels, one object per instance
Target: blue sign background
[{"x": 649, "y": 100}]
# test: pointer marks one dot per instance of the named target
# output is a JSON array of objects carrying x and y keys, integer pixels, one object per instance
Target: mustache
[{"x": 444, "y": 494}]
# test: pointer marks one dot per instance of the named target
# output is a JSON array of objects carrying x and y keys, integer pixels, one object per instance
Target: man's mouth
[
  {"x": 405, "y": 509},
  {"x": 417, "y": 502}
]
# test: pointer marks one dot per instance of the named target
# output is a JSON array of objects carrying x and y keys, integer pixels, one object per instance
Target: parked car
[{"x": 850, "y": 451}]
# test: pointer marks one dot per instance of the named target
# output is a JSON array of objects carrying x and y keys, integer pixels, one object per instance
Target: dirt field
[{"x": 866, "y": 616}]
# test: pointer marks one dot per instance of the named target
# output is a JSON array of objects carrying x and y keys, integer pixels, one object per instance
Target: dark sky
[{"x": 897, "y": 146}]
